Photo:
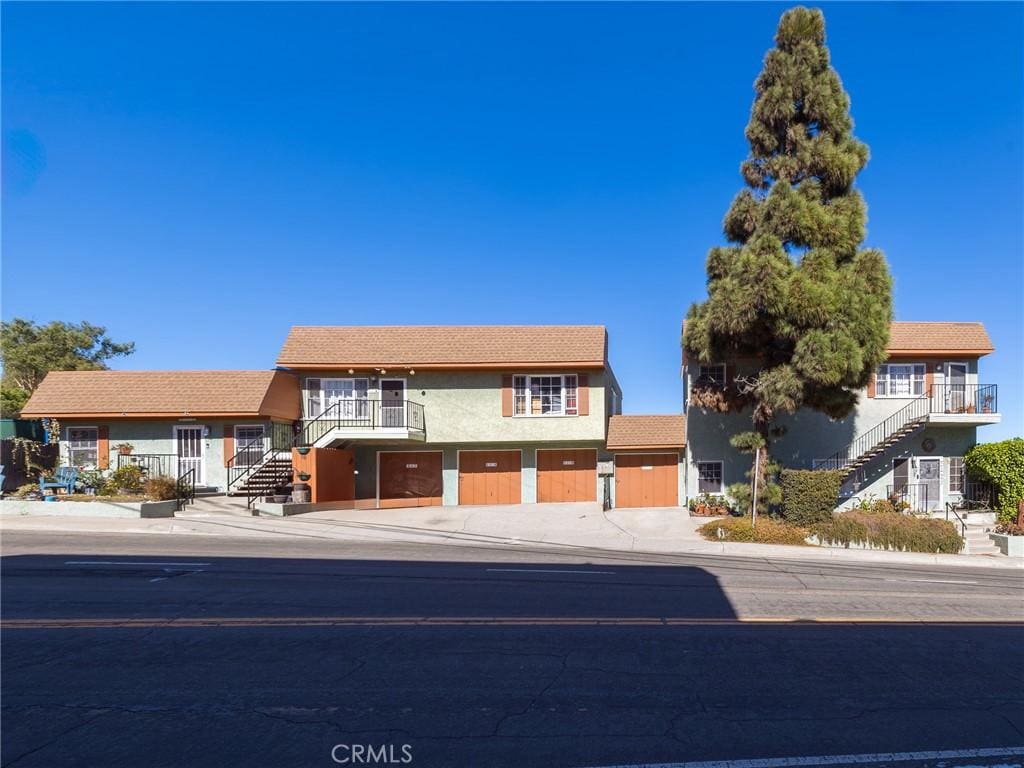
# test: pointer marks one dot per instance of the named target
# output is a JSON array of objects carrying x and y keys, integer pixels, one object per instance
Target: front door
[
  {"x": 392, "y": 402},
  {"x": 190, "y": 449},
  {"x": 928, "y": 471},
  {"x": 956, "y": 387}
]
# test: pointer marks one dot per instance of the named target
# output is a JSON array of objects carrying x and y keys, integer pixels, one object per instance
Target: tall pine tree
[{"x": 794, "y": 303}]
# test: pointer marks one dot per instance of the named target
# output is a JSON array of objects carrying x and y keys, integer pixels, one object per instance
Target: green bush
[
  {"x": 767, "y": 531},
  {"x": 890, "y": 530},
  {"x": 161, "y": 488},
  {"x": 1001, "y": 464},
  {"x": 809, "y": 496},
  {"x": 128, "y": 478}
]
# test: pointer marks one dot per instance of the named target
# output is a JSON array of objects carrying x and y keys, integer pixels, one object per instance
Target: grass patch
[
  {"x": 768, "y": 531},
  {"x": 889, "y": 530}
]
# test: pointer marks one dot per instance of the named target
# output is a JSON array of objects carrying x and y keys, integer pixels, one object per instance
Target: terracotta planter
[
  {"x": 970, "y": 409},
  {"x": 702, "y": 509},
  {"x": 302, "y": 451},
  {"x": 124, "y": 451}
]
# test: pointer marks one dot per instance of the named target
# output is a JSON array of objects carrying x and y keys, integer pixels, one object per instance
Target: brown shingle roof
[
  {"x": 908, "y": 337},
  {"x": 631, "y": 432},
  {"x": 114, "y": 394},
  {"x": 437, "y": 346},
  {"x": 943, "y": 337}
]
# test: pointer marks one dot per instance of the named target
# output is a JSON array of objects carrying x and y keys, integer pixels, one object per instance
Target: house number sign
[
  {"x": 568, "y": 463},
  {"x": 412, "y": 466},
  {"x": 491, "y": 464}
]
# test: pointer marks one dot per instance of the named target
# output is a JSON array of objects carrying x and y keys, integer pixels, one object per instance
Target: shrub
[
  {"x": 1001, "y": 464},
  {"x": 161, "y": 488},
  {"x": 26, "y": 489},
  {"x": 128, "y": 478},
  {"x": 767, "y": 531},
  {"x": 1010, "y": 529},
  {"x": 809, "y": 495},
  {"x": 890, "y": 530}
]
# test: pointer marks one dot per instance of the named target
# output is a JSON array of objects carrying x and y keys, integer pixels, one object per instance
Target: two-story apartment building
[
  {"x": 459, "y": 414},
  {"x": 907, "y": 436}
]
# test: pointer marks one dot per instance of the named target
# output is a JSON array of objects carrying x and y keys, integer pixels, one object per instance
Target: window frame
[
  {"x": 721, "y": 476},
  {"x": 716, "y": 381},
  {"x": 883, "y": 380},
  {"x": 71, "y": 449},
  {"x": 959, "y": 473},
  {"x": 523, "y": 394}
]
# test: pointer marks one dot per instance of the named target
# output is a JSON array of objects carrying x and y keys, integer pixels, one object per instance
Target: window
[
  {"x": 900, "y": 380},
  {"x": 353, "y": 394},
  {"x": 709, "y": 476},
  {"x": 956, "y": 474},
  {"x": 248, "y": 444},
  {"x": 83, "y": 446},
  {"x": 545, "y": 395},
  {"x": 711, "y": 375}
]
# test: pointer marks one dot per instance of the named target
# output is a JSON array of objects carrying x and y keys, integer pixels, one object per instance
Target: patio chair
[{"x": 64, "y": 477}]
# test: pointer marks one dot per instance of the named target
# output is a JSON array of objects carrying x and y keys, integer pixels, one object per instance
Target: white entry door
[
  {"x": 929, "y": 475},
  {"x": 392, "y": 402},
  {"x": 956, "y": 387},
  {"x": 191, "y": 450}
]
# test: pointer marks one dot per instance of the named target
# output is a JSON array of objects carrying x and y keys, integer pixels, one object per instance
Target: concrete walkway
[{"x": 565, "y": 526}]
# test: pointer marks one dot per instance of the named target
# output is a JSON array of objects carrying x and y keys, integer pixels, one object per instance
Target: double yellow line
[{"x": 228, "y": 622}]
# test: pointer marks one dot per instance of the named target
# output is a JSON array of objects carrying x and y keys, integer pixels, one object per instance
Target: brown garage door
[
  {"x": 567, "y": 475},
  {"x": 490, "y": 477},
  {"x": 646, "y": 480},
  {"x": 410, "y": 479}
]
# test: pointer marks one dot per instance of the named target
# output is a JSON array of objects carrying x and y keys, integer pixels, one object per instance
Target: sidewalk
[{"x": 565, "y": 526}]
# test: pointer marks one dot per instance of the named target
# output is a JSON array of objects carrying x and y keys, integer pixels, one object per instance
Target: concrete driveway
[{"x": 582, "y": 524}]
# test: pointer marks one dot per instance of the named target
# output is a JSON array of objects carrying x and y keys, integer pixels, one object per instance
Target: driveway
[{"x": 582, "y": 524}]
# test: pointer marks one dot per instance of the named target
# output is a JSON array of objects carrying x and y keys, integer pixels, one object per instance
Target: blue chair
[{"x": 64, "y": 477}]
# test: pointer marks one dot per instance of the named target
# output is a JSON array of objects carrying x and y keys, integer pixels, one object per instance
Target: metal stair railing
[{"x": 846, "y": 459}]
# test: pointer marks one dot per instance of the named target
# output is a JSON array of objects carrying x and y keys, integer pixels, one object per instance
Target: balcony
[
  {"x": 364, "y": 420},
  {"x": 964, "y": 404}
]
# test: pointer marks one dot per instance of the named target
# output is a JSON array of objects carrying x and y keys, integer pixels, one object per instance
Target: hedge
[
  {"x": 1001, "y": 464},
  {"x": 810, "y": 495},
  {"x": 890, "y": 530},
  {"x": 767, "y": 531}
]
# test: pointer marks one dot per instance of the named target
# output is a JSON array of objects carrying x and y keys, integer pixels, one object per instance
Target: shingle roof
[
  {"x": 938, "y": 336},
  {"x": 444, "y": 346},
  {"x": 165, "y": 393},
  {"x": 631, "y": 432},
  {"x": 943, "y": 337}
]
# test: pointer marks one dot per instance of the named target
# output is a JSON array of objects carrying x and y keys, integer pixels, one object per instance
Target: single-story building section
[
  {"x": 207, "y": 423},
  {"x": 650, "y": 460}
]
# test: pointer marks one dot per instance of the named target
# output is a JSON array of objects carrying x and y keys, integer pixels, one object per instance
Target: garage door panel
[
  {"x": 646, "y": 480},
  {"x": 490, "y": 477},
  {"x": 567, "y": 475},
  {"x": 410, "y": 479}
]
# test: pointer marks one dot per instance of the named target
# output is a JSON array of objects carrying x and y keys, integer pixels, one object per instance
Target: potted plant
[
  {"x": 125, "y": 449},
  {"x": 302, "y": 450},
  {"x": 304, "y": 476},
  {"x": 986, "y": 403}
]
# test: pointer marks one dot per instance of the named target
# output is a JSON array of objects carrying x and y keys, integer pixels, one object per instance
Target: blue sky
[{"x": 197, "y": 177}]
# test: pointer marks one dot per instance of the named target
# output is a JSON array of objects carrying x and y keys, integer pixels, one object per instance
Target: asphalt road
[{"x": 204, "y": 651}]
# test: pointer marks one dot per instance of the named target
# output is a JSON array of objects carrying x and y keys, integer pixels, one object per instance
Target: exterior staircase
[
  {"x": 976, "y": 540},
  {"x": 264, "y": 478},
  {"x": 875, "y": 441}
]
